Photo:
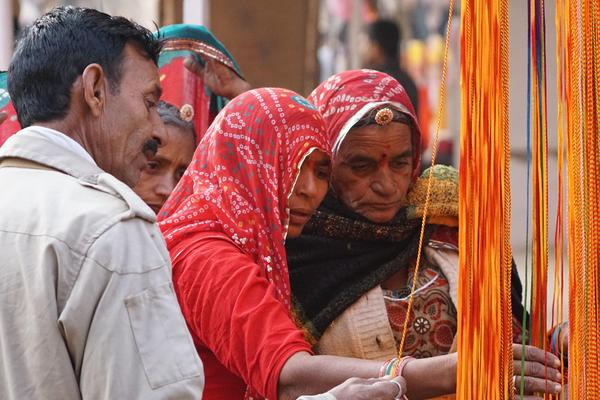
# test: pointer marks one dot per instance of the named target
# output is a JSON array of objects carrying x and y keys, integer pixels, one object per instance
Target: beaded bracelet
[
  {"x": 394, "y": 368},
  {"x": 387, "y": 366}
]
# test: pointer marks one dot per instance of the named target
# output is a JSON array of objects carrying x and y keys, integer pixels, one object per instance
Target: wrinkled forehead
[{"x": 351, "y": 120}]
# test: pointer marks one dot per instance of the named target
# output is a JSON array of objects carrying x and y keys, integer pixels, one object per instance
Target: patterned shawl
[
  {"x": 241, "y": 176},
  {"x": 345, "y": 98}
]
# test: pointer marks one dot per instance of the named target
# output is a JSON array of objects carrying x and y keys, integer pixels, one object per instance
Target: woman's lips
[
  {"x": 300, "y": 217},
  {"x": 381, "y": 206}
]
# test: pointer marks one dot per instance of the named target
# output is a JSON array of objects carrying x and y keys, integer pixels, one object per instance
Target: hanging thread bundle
[
  {"x": 538, "y": 133},
  {"x": 579, "y": 25},
  {"x": 485, "y": 357}
]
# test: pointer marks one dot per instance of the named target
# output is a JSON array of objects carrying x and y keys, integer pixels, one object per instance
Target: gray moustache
[{"x": 150, "y": 148}]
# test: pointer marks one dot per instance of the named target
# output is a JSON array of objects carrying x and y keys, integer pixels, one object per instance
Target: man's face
[
  {"x": 130, "y": 120},
  {"x": 372, "y": 170}
]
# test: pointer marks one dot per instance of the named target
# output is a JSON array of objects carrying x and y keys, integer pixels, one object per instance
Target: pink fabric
[{"x": 343, "y": 95}]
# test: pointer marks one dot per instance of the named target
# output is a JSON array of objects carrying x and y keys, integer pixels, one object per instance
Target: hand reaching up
[{"x": 219, "y": 78}]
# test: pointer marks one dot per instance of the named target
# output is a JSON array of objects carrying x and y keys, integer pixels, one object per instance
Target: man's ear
[{"x": 94, "y": 88}]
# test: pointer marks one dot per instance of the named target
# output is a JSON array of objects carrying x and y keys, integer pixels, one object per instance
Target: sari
[{"x": 225, "y": 225}]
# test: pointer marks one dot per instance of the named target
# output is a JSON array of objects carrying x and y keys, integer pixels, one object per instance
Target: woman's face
[
  {"x": 308, "y": 192},
  {"x": 162, "y": 173},
  {"x": 372, "y": 170}
]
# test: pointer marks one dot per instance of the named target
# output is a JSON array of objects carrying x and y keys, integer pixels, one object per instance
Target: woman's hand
[
  {"x": 374, "y": 388},
  {"x": 541, "y": 371},
  {"x": 220, "y": 79}
]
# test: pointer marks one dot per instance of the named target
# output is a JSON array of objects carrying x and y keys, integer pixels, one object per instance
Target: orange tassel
[{"x": 485, "y": 357}]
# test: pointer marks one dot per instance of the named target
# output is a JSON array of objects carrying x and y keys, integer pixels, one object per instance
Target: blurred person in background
[
  {"x": 198, "y": 74},
  {"x": 381, "y": 51}
]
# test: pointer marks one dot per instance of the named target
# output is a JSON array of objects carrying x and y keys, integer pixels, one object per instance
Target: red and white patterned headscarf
[
  {"x": 345, "y": 98},
  {"x": 242, "y": 174}
]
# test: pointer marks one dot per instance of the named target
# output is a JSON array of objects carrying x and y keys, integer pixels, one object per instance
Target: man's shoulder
[
  {"x": 122, "y": 235},
  {"x": 131, "y": 246},
  {"x": 76, "y": 211},
  {"x": 120, "y": 194},
  {"x": 125, "y": 237}
]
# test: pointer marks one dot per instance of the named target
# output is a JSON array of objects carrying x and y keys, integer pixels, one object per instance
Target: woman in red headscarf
[
  {"x": 257, "y": 176},
  {"x": 365, "y": 235}
]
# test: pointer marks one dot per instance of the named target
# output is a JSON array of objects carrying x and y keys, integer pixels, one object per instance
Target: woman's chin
[
  {"x": 294, "y": 231},
  {"x": 379, "y": 215}
]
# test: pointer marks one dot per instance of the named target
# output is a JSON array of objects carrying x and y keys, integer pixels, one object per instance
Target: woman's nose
[{"x": 383, "y": 182}]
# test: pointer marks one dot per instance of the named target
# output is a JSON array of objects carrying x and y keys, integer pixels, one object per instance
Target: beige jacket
[{"x": 87, "y": 307}]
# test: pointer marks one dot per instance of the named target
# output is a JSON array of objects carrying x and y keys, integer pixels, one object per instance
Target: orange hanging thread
[
  {"x": 558, "y": 295},
  {"x": 539, "y": 135},
  {"x": 580, "y": 21},
  {"x": 485, "y": 357}
]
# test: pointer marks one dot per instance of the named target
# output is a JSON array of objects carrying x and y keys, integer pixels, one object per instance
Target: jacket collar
[{"x": 30, "y": 145}]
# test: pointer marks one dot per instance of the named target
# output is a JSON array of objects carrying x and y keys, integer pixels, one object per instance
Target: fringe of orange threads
[
  {"x": 558, "y": 316},
  {"x": 590, "y": 25},
  {"x": 442, "y": 104},
  {"x": 485, "y": 356},
  {"x": 539, "y": 134},
  {"x": 581, "y": 24},
  {"x": 574, "y": 180}
]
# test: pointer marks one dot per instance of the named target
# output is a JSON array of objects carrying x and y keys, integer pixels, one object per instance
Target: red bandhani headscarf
[
  {"x": 241, "y": 176},
  {"x": 344, "y": 98}
]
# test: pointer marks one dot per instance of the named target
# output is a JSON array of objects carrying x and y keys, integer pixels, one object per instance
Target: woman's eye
[
  {"x": 401, "y": 163},
  {"x": 179, "y": 174},
  {"x": 152, "y": 165},
  {"x": 323, "y": 173},
  {"x": 359, "y": 167},
  {"x": 150, "y": 104}
]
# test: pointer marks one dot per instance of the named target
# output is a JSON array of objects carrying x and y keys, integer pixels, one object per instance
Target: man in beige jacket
[{"x": 87, "y": 308}]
